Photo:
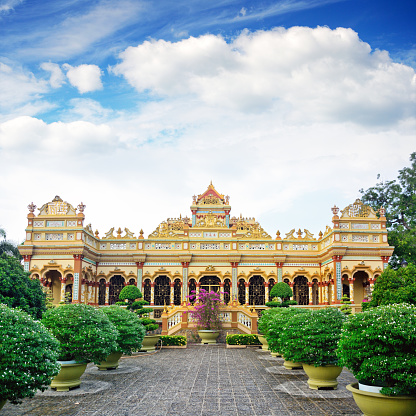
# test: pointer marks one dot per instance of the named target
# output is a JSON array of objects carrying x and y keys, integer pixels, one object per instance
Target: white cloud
[
  {"x": 86, "y": 78},
  {"x": 311, "y": 74},
  {"x": 57, "y": 77},
  {"x": 9, "y": 5}
]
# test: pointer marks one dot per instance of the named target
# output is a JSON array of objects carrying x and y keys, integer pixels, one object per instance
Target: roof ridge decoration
[
  {"x": 358, "y": 210},
  {"x": 256, "y": 231},
  {"x": 55, "y": 207},
  {"x": 210, "y": 220},
  {"x": 210, "y": 197}
]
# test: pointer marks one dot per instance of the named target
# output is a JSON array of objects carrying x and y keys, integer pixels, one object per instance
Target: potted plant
[
  {"x": 85, "y": 334},
  {"x": 151, "y": 338},
  {"x": 263, "y": 328},
  {"x": 28, "y": 356},
  {"x": 275, "y": 329},
  {"x": 206, "y": 314},
  {"x": 378, "y": 346},
  {"x": 311, "y": 339},
  {"x": 130, "y": 335},
  {"x": 129, "y": 293}
]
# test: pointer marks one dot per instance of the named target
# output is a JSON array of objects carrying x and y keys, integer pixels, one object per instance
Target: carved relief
[
  {"x": 256, "y": 231},
  {"x": 358, "y": 210},
  {"x": 109, "y": 234},
  {"x": 210, "y": 220}
]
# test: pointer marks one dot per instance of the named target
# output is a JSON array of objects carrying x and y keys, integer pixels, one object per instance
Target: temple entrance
[
  {"x": 68, "y": 293},
  {"x": 116, "y": 284},
  {"x": 162, "y": 291},
  {"x": 210, "y": 283},
  {"x": 301, "y": 290},
  {"x": 256, "y": 291}
]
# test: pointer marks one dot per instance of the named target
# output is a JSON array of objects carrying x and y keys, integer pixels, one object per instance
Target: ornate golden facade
[{"x": 209, "y": 249}]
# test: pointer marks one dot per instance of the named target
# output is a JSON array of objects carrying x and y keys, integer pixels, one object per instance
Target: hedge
[
  {"x": 242, "y": 339},
  {"x": 173, "y": 340}
]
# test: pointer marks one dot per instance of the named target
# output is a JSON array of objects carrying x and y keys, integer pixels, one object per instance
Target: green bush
[
  {"x": 28, "y": 354},
  {"x": 284, "y": 304},
  {"x": 130, "y": 329},
  {"x": 277, "y": 324},
  {"x": 17, "y": 290},
  {"x": 378, "y": 346},
  {"x": 312, "y": 337},
  {"x": 85, "y": 333},
  {"x": 263, "y": 323},
  {"x": 130, "y": 293},
  {"x": 281, "y": 290},
  {"x": 173, "y": 340},
  {"x": 242, "y": 339}
]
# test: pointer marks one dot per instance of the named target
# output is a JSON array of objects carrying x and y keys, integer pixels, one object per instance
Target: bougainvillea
[
  {"x": 206, "y": 313},
  {"x": 378, "y": 346}
]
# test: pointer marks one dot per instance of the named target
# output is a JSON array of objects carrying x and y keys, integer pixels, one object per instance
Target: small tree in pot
[
  {"x": 311, "y": 339},
  {"x": 263, "y": 328},
  {"x": 85, "y": 334},
  {"x": 151, "y": 338},
  {"x": 130, "y": 293},
  {"x": 130, "y": 335},
  {"x": 28, "y": 356}
]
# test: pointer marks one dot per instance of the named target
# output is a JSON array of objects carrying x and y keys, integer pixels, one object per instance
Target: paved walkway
[{"x": 201, "y": 380}]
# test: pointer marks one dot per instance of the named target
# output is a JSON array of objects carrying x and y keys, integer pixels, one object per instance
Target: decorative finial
[
  {"x": 194, "y": 199},
  {"x": 335, "y": 210},
  {"x": 81, "y": 207},
  {"x": 278, "y": 235},
  {"x": 119, "y": 231},
  {"x": 31, "y": 207},
  {"x": 320, "y": 234},
  {"x": 97, "y": 234},
  {"x": 382, "y": 211},
  {"x": 299, "y": 233},
  {"x": 227, "y": 200}
]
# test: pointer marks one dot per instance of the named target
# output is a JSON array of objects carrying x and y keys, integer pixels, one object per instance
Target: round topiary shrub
[
  {"x": 281, "y": 290},
  {"x": 378, "y": 346},
  {"x": 28, "y": 355},
  {"x": 130, "y": 329},
  {"x": 85, "y": 333},
  {"x": 312, "y": 337},
  {"x": 130, "y": 293}
]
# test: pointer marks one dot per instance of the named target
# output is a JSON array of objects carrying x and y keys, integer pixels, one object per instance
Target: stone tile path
[{"x": 201, "y": 380}]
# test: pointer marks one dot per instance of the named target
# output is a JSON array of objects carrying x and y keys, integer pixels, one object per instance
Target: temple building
[{"x": 211, "y": 249}]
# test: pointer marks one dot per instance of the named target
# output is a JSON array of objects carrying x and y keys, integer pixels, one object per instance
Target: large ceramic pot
[
  {"x": 208, "y": 336},
  {"x": 111, "y": 362},
  {"x": 149, "y": 343},
  {"x": 290, "y": 365},
  {"x": 69, "y": 375},
  {"x": 275, "y": 354},
  {"x": 264, "y": 343},
  {"x": 322, "y": 376},
  {"x": 377, "y": 404}
]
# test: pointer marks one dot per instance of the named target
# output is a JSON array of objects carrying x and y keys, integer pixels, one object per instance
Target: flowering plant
[{"x": 206, "y": 312}]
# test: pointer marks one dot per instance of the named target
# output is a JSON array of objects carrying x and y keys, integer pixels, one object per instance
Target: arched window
[
  {"x": 147, "y": 291},
  {"x": 271, "y": 284},
  {"x": 256, "y": 291},
  {"x": 132, "y": 282},
  {"x": 210, "y": 283},
  {"x": 177, "y": 292},
  {"x": 192, "y": 290},
  {"x": 101, "y": 292},
  {"x": 162, "y": 291},
  {"x": 301, "y": 290},
  {"x": 227, "y": 291},
  {"x": 241, "y": 291},
  {"x": 315, "y": 292},
  {"x": 116, "y": 284}
]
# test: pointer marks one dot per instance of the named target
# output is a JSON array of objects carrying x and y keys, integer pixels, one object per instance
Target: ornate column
[
  {"x": 63, "y": 287},
  {"x": 76, "y": 288},
  {"x": 266, "y": 292},
  {"x": 83, "y": 281},
  {"x": 279, "y": 266},
  {"x": 172, "y": 293},
  {"x": 234, "y": 288},
  {"x": 107, "y": 294},
  {"x": 152, "y": 294},
  {"x": 139, "y": 265},
  {"x": 247, "y": 285},
  {"x": 338, "y": 277},
  {"x": 222, "y": 291},
  {"x": 96, "y": 286},
  {"x": 88, "y": 292},
  {"x": 326, "y": 292},
  {"x": 26, "y": 264},
  {"x": 185, "y": 267},
  {"x": 333, "y": 290},
  {"x": 193, "y": 217},
  {"x": 310, "y": 285},
  {"x": 198, "y": 286},
  {"x": 372, "y": 281},
  {"x": 351, "y": 284},
  {"x": 320, "y": 301},
  {"x": 227, "y": 218}
]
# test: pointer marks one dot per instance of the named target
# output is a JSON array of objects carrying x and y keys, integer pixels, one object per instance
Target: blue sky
[{"x": 288, "y": 106}]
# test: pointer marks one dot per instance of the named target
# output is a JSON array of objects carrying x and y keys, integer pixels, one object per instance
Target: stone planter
[
  {"x": 235, "y": 346},
  {"x": 323, "y": 376},
  {"x": 290, "y": 365},
  {"x": 69, "y": 375},
  {"x": 275, "y": 354},
  {"x": 149, "y": 343},
  {"x": 174, "y": 346},
  {"x": 264, "y": 343},
  {"x": 208, "y": 336},
  {"x": 111, "y": 362},
  {"x": 377, "y": 404}
]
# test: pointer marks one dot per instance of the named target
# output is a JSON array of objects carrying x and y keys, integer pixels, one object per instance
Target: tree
[
  {"x": 281, "y": 290},
  {"x": 398, "y": 197},
  {"x": 7, "y": 246},
  {"x": 17, "y": 290},
  {"x": 130, "y": 293}
]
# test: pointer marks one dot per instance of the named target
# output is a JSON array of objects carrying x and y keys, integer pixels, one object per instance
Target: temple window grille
[
  {"x": 132, "y": 282},
  {"x": 116, "y": 284},
  {"x": 301, "y": 290},
  {"x": 192, "y": 291},
  {"x": 256, "y": 291},
  {"x": 271, "y": 284},
  {"x": 227, "y": 291},
  {"x": 287, "y": 281},
  {"x": 101, "y": 292},
  {"x": 177, "y": 292},
  {"x": 210, "y": 283},
  {"x": 241, "y": 292},
  {"x": 315, "y": 292},
  {"x": 147, "y": 291},
  {"x": 162, "y": 291}
]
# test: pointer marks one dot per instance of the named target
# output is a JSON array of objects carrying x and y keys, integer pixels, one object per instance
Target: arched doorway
[
  {"x": 227, "y": 291},
  {"x": 315, "y": 292},
  {"x": 256, "y": 291},
  {"x": 361, "y": 280},
  {"x": 271, "y": 284},
  {"x": 241, "y": 292},
  {"x": 162, "y": 291},
  {"x": 147, "y": 291},
  {"x": 54, "y": 285},
  {"x": 210, "y": 283},
  {"x": 177, "y": 288},
  {"x": 301, "y": 290},
  {"x": 101, "y": 292},
  {"x": 116, "y": 284},
  {"x": 192, "y": 290}
]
